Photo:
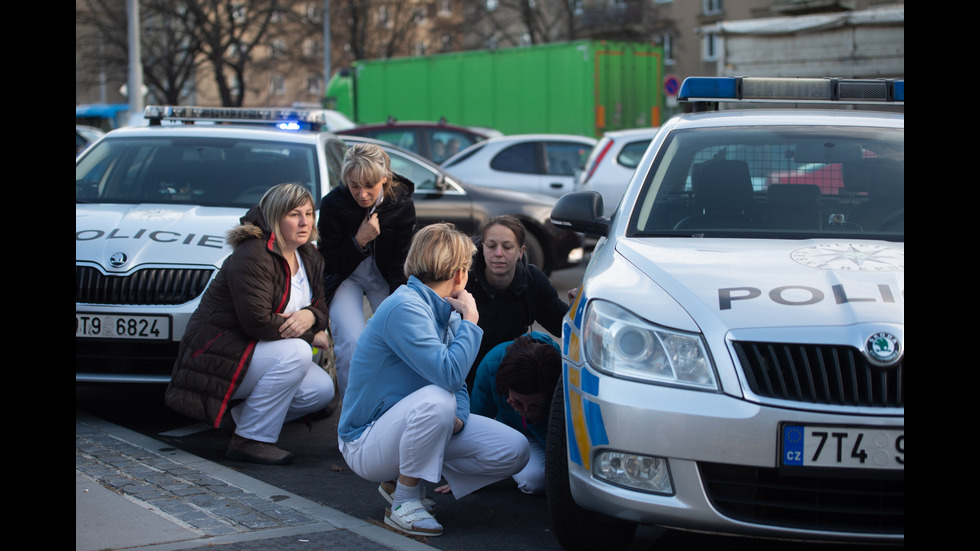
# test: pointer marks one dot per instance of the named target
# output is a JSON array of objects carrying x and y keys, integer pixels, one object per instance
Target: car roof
[
  {"x": 388, "y": 145},
  {"x": 221, "y": 131},
  {"x": 649, "y": 131},
  {"x": 778, "y": 117},
  {"x": 539, "y": 136},
  {"x": 487, "y": 132}
]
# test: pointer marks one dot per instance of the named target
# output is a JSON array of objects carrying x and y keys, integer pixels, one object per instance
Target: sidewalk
[{"x": 134, "y": 492}]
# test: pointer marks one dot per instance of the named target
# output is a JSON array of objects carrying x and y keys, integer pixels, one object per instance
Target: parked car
[
  {"x": 536, "y": 163},
  {"x": 440, "y": 197},
  {"x": 152, "y": 207},
  {"x": 436, "y": 141},
  {"x": 734, "y": 361},
  {"x": 612, "y": 162},
  {"x": 85, "y": 136}
]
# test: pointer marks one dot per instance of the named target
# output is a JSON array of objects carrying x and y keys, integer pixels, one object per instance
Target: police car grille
[
  {"x": 854, "y": 504},
  {"x": 149, "y": 286},
  {"x": 822, "y": 374}
]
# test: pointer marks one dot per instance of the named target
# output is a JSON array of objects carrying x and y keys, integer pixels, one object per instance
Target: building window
[
  {"x": 447, "y": 42},
  {"x": 277, "y": 49},
  {"x": 667, "y": 43},
  {"x": 311, "y": 47},
  {"x": 492, "y": 5},
  {"x": 420, "y": 48},
  {"x": 709, "y": 47},
  {"x": 711, "y": 7},
  {"x": 277, "y": 85},
  {"x": 445, "y": 7},
  {"x": 314, "y": 85}
]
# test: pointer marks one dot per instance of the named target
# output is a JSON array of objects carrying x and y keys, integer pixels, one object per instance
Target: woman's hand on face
[
  {"x": 464, "y": 303},
  {"x": 296, "y": 324},
  {"x": 368, "y": 230}
]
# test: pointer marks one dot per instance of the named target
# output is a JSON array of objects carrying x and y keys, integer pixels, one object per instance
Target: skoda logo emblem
[
  {"x": 883, "y": 349},
  {"x": 118, "y": 260}
]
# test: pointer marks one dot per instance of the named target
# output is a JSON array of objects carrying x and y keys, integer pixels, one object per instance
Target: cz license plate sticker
[
  {"x": 843, "y": 447},
  {"x": 121, "y": 326}
]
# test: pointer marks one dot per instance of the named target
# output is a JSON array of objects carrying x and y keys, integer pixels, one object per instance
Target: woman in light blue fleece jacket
[{"x": 406, "y": 415}]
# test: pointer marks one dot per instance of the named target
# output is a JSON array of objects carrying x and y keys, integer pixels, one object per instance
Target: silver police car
[{"x": 734, "y": 361}]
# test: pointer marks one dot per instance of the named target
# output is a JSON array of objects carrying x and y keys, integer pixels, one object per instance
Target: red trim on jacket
[{"x": 231, "y": 388}]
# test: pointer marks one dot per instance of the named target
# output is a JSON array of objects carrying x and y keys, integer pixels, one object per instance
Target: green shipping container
[{"x": 581, "y": 87}]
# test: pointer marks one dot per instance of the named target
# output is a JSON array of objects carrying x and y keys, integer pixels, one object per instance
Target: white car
[
  {"x": 734, "y": 361},
  {"x": 152, "y": 207},
  {"x": 535, "y": 163},
  {"x": 613, "y": 160}
]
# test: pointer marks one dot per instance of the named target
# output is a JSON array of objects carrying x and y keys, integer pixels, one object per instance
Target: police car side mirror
[{"x": 581, "y": 211}]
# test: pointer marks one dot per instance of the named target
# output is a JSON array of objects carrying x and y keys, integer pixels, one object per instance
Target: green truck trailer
[{"x": 582, "y": 87}]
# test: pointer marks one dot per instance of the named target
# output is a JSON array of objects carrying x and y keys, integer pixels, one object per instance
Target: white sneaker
[
  {"x": 407, "y": 518},
  {"x": 387, "y": 491}
]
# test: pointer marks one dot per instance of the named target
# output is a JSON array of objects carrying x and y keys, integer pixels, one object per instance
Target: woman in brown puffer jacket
[{"x": 250, "y": 338}]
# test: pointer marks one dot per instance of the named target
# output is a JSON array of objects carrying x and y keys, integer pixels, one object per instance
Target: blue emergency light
[
  {"x": 792, "y": 90},
  {"x": 284, "y": 118}
]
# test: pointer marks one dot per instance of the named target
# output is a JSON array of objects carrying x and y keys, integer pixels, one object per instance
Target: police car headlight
[{"x": 623, "y": 345}]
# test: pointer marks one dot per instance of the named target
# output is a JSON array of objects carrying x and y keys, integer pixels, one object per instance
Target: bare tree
[
  {"x": 521, "y": 22},
  {"x": 169, "y": 53},
  {"x": 228, "y": 31},
  {"x": 376, "y": 28}
]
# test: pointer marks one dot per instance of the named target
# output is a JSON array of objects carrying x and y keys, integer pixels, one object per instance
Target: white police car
[
  {"x": 152, "y": 207},
  {"x": 735, "y": 359}
]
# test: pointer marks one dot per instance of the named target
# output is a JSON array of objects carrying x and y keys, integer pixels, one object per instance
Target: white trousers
[
  {"x": 531, "y": 479},
  {"x": 415, "y": 438},
  {"x": 281, "y": 384},
  {"x": 347, "y": 319}
]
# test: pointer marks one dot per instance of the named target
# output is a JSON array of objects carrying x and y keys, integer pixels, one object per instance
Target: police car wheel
[{"x": 576, "y": 528}]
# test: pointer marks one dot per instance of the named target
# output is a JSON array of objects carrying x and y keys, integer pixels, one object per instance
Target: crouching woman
[
  {"x": 248, "y": 344},
  {"x": 405, "y": 415}
]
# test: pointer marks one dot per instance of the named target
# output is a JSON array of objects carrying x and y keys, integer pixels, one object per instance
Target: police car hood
[
  {"x": 751, "y": 283},
  {"x": 120, "y": 237}
]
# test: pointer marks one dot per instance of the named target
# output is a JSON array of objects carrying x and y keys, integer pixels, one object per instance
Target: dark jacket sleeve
[
  {"x": 338, "y": 223},
  {"x": 549, "y": 309},
  {"x": 256, "y": 286}
]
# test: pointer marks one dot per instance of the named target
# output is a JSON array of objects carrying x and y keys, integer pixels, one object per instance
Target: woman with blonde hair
[
  {"x": 246, "y": 359},
  {"x": 407, "y": 404},
  {"x": 365, "y": 227}
]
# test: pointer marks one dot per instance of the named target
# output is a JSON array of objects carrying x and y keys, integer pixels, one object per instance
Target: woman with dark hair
[
  {"x": 514, "y": 384},
  {"x": 365, "y": 228},
  {"x": 510, "y": 293},
  {"x": 250, "y": 338}
]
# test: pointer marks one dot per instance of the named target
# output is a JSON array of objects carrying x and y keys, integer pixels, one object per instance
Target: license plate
[
  {"x": 121, "y": 326},
  {"x": 844, "y": 447}
]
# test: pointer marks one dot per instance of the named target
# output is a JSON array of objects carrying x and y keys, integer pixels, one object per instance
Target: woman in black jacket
[
  {"x": 365, "y": 226},
  {"x": 510, "y": 294}
]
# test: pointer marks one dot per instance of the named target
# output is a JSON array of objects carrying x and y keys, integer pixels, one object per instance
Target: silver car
[{"x": 734, "y": 361}]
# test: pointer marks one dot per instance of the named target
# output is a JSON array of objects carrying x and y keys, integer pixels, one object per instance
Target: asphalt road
[{"x": 496, "y": 518}]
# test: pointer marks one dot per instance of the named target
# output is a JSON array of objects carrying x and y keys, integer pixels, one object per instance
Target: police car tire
[{"x": 576, "y": 528}]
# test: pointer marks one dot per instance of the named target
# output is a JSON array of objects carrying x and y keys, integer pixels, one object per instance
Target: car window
[
  {"x": 564, "y": 158},
  {"x": 404, "y": 139},
  {"x": 632, "y": 153},
  {"x": 446, "y": 143},
  {"x": 195, "y": 171},
  {"x": 334, "y": 150},
  {"x": 423, "y": 177},
  {"x": 790, "y": 179},
  {"x": 519, "y": 157}
]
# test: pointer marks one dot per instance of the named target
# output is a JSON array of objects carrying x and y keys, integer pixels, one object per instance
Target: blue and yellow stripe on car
[{"x": 583, "y": 417}]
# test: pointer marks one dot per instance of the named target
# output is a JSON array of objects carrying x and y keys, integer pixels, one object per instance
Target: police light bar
[
  {"x": 287, "y": 119},
  {"x": 793, "y": 90}
]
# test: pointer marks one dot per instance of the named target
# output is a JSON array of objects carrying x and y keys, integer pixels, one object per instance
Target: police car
[
  {"x": 152, "y": 207},
  {"x": 734, "y": 361}
]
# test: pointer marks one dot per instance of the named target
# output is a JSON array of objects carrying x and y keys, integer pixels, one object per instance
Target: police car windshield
[
  {"x": 776, "y": 181},
  {"x": 193, "y": 171}
]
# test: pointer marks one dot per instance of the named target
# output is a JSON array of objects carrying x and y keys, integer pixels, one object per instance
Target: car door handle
[{"x": 557, "y": 185}]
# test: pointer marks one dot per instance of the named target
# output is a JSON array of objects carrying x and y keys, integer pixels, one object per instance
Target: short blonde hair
[
  {"x": 437, "y": 252},
  {"x": 279, "y": 200}
]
